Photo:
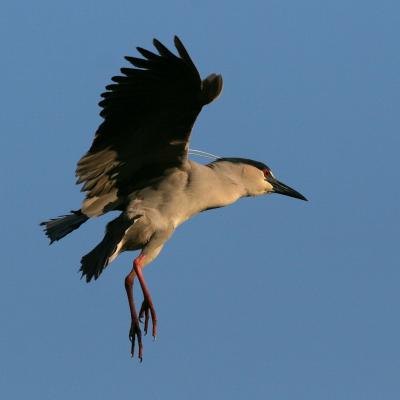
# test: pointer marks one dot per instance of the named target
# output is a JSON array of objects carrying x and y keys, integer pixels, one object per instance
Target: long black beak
[{"x": 281, "y": 188}]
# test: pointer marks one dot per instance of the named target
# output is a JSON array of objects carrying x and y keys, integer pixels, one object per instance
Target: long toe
[
  {"x": 154, "y": 321},
  {"x": 134, "y": 332},
  {"x": 147, "y": 309}
]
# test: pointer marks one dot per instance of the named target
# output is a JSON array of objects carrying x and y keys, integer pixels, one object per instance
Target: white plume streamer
[{"x": 201, "y": 153}]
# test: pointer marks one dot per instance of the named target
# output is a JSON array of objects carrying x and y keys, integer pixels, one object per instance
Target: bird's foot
[
  {"x": 134, "y": 332},
  {"x": 147, "y": 310}
]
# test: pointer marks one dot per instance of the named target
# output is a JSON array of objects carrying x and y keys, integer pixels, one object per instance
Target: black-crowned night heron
[{"x": 138, "y": 164}]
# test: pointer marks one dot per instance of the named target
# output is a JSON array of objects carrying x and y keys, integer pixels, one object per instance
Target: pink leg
[
  {"x": 147, "y": 305},
  {"x": 135, "y": 328}
]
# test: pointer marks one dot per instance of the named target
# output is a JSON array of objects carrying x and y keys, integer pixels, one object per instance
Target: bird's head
[{"x": 258, "y": 179}]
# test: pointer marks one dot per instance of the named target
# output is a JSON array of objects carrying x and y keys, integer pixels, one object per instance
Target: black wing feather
[{"x": 148, "y": 116}]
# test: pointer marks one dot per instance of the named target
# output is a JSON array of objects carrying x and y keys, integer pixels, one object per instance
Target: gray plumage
[{"x": 138, "y": 164}]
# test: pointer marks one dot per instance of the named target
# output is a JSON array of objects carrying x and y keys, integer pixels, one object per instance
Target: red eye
[{"x": 266, "y": 172}]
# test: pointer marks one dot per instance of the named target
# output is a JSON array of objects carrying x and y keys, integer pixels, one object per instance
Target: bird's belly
[
  {"x": 186, "y": 211},
  {"x": 179, "y": 220}
]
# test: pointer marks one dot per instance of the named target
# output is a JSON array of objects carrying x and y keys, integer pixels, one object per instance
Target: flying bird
[{"x": 139, "y": 164}]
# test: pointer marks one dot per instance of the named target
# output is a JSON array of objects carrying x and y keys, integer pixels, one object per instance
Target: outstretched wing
[{"x": 148, "y": 115}]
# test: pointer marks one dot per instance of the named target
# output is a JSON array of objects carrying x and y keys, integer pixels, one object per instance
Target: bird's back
[{"x": 183, "y": 193}]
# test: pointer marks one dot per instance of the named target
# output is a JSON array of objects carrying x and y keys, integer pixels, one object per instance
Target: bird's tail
[{"x": 57, "y": 228}]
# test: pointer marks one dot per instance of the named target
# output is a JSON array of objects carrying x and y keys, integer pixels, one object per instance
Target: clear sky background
[{"x": 269, "y": 298}]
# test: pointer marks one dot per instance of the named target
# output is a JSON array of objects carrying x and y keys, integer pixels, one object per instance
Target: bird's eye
[{"x": 266, "y": 172}]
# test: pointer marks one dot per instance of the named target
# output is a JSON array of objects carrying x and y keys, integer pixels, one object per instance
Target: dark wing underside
[{"x": 148, "y": 115}]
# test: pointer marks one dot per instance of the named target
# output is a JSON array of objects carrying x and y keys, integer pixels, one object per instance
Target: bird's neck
[{"x": 216, "y": 186}]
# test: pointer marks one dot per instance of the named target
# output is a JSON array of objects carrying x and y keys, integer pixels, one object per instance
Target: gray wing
[{"x": 148, "y": 116}]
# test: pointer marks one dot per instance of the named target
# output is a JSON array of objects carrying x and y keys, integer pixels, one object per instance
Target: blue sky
[{"x": 269, "y": 298}]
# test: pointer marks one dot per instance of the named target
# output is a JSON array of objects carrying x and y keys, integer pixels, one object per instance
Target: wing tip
[
  {"x": 211, "y": 88},
  {"x": 163, "y": 50},
  {"x": 177, "y": 41}
]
